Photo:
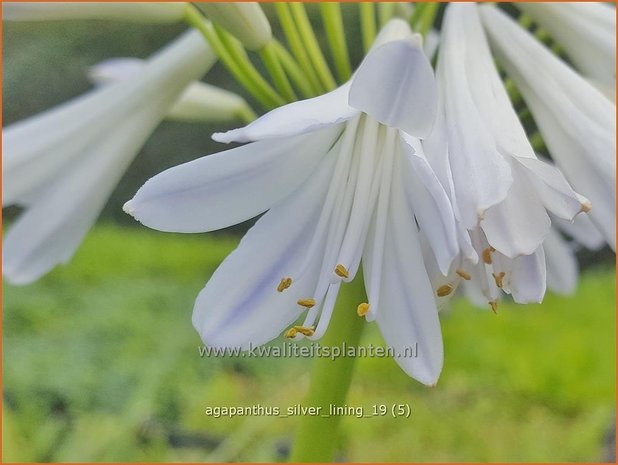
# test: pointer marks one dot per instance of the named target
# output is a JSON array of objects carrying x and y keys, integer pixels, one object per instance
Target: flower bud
[{"x": 246, "y": 21}]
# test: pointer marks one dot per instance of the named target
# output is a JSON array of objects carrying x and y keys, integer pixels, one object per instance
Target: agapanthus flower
[
  {"x": 586, "y": 31},
  {"x": 63, "y": 164},
  {"x": 342, "y": 178},
  {"x": 576, "y": 120},
  {"x": 500, "y": 190}
]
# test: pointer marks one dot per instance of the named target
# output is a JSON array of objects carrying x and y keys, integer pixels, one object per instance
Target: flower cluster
[{"x": 428, "y": 182}]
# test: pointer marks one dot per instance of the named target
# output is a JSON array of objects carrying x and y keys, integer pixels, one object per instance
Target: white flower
[
  {"x": 587, "y": 33},
  {"x": 500, "y": 190},
  {"x": 147, "y": 12},
  {"x": 576, "y": 121},
  {"x": 62, "y": 165},
  {"x": 342, "y": 177},
  {"x": 244, "y": 20},
  {"x": 200, "y": 102}
]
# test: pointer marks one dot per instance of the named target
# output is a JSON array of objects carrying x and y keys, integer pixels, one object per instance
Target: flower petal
[
  {"x": 395, "y": 85},
  {"x": 553, "y": 189},
  {"x": 582, "y": 230},
  {"x": 429, "y": 202},
  {"x": 240, "y": 305},
  {"x": 302, "y": 117},
  {"x": 52, "y": 228},
  {"x": 407, "y": 313},
  {"x": 481, "y": 175},
  {"x": 525, "y": 276},
  {"x": 562, "y": 268},
  {"x": 519, "y": 224},
  {"x": 229, "y": 187}
]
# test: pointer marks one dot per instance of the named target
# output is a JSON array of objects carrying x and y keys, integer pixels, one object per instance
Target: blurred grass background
[{"x": 100, "y": 362}]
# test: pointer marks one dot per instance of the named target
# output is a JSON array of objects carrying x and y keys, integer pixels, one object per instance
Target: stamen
[
  {"x": 307, "y": 303},
  {"x": 586, "y": 207},
  {"x": 304, "y": 330},
  {"x": 487, "y": 255},
  {"x": 284, "y": 284},
  {"x": 499, "y": 278},
  {"x": 341, "y": 271},
  {"x": 464, "y": 274},
  {"x": 494, "y": 305},
  {"x": 363, "y": 309},
  {"x": 291, "y": 333},
  {"x": 444, "y": 290}
]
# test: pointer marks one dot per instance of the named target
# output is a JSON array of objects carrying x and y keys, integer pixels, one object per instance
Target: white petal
[
  {"x": 562, "y": 269},
  {"x": 37, "y": 149},
  {"x": 525, "y": 276},
  {"x": 52, "y": 228},
  {"x": 429, "y": 202},
  {"x": 300, "y": 117},
  {"x": 229, "y": 187},
  {"x": 240, "y": 304},
  {"x": 481, "y": 175},
  {"x": 553, "y": 190},
  {"x": 576, "y": 121},
  {"x": 519, "y": 224},
  {"x": 152, "y": 12},
  {"x": 395, "y": 85},
  {"x": 407, "y": 312}
]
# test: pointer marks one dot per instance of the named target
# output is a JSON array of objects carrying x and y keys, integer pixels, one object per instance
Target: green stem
[
  {"x": 368, "y": 24},
  {"x": 239, "y": 55},
  {"x": 293, "y": 70},
  {"x": 296, "y": 44},
  {"x": 275, "y": 69},
  {"x": 311, "y": 44},
  {"x": 246, "y": 114},
  {"x": 316, "y": 437},
  {"x": 427, "y": 18},
  {"x": 333, "y": 23},
  {"x": 195, "y": 19},
  {"x": 386, "y": 10}
]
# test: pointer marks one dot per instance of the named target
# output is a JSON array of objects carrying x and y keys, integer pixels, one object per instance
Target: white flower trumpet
[
  {"x": 63, "y": 164},
  {"x": 576, "y": 121},
  {"x": 342, "y": 177}
]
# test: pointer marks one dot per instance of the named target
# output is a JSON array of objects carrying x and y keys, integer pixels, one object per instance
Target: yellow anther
[
  {"x": 494, "y": 305},
  {"x": 341, "y": 271},
  {"x": 363, "y": 309},
  {"x": 284, "y": 284},
  {"x": 291, "y": 333},
  {"x": 487, "y": 255},
  {"x": 307, "y": 303},
  {"x": 304, "y": 330},
  {"x": 444, "y": 290},
  {"x": 499, "y": 278},
  {"x": 464, "y": 274},
  {"x": 586, "y": 207}
]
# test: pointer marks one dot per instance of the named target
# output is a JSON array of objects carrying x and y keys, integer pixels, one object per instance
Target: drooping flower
[
  {"x": 199, "y": 102},
  {"x": 147, "y": 12},
  {"x": 577, "y": 121},
  {"x": 63, "y": 164},
  {"x": 587, "y": 33},
  {"x": 342, "y": 177},
  {"x": 500, "y": 191}
]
